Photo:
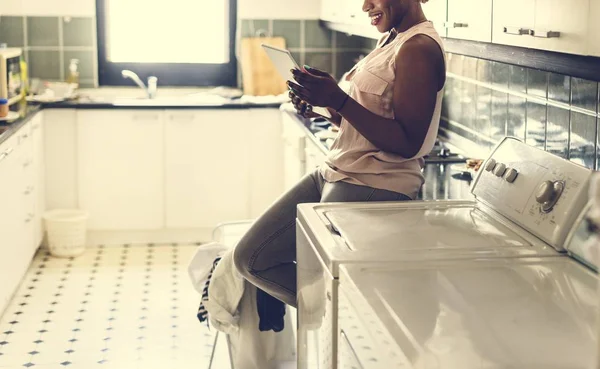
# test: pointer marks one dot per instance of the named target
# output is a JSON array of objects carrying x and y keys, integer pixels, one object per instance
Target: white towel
[
  {"x": 232, "y": 309},
  {"x": 202, "y": 262},
  {"x": 224, "y": 295}
]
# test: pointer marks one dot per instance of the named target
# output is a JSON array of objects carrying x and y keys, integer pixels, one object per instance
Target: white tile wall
[{"x": 81, "y": 8}]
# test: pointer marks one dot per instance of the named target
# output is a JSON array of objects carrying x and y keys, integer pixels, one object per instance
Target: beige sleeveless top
[{"x": 352, "y": 157}]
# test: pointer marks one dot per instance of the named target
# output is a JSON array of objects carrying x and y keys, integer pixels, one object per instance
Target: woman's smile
[{"x": 375, "y": 18}]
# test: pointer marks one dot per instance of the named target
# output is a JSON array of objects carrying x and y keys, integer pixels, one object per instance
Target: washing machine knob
[
  {"x": 548, "y": 194},
  {"x": 511, "y": 175},
  {"x": 500, "y": 170},
  {"x": 490, "y": 165}
]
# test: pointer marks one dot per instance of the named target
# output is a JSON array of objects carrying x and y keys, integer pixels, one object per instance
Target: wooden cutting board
[{"x": 259, "y": 76}]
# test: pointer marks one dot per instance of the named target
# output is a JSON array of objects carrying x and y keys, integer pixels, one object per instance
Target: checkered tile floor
[{"x": 113, "y": 307}]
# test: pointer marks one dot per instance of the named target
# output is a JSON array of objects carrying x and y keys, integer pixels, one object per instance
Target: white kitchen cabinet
[
  {"x": 10, "y": 223},
  {"x": 207, "y": 167},
  {"x": 16, "y": 227},
  {"x": 39, "y": 190},
  {"x": 266, "y": 159},
  {"x": 470, "y": 20},
  {"x": 294, "y": 156},
  {"x": 120, "y": 156},
  {"x": 593, "y": 36},
  {"x": 331, "y": 10},
  {"x": 315, "y": 157},
  {"x": 542, "y": 24},
  {"x": 436, "y": 12},
  {"x": 60, "y": 154}
]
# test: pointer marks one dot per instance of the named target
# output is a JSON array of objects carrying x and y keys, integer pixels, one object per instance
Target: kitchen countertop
[
  {"x": 90, "y": 104},
  {"x": 27, "y": 112},
  {"x": 443, "y": 181}
]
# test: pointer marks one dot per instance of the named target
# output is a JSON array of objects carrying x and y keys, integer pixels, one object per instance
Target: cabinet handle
[
  {"x": 153, "y": 117},
  {"x": 27, "y": 163},
  {"x": 456, "y": 25},
  {"x": 185, "y": 118},
  {"x": 544, "y": 34},
  {"x": 516, "y": 31},
  {"x": 29, "y": 218},
  {"x": 36, "y": 126},
  {"x": 6, "y": 153}
]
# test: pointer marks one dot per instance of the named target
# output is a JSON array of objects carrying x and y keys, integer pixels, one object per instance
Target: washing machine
[
  {"x": 525, "y": 203},
  {"x": 518, "y": 313}
]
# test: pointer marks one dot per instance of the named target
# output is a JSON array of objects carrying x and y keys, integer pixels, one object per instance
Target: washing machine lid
[
  {"x": 502, "y": 313},
  {"x": 426, "y": 226}
]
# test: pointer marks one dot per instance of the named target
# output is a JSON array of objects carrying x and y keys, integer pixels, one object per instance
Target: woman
[{"x": 388, "y": 121}]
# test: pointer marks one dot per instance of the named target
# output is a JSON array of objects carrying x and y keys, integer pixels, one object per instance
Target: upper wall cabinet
[
  {"x": 594, "y": 28},
  {"x": 542, "y": 24},
  {"x": 470, "y": 20},
  {"x": 436, "y": 12},
  {"x": 331, "y": 10}
]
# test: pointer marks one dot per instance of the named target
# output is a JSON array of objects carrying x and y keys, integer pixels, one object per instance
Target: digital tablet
[{"x": 284, "y": 62}]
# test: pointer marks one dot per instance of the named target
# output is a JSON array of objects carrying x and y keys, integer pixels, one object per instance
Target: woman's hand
[
  {"x": 317, "y": 88},
  {"x": 305, "y": 110}
]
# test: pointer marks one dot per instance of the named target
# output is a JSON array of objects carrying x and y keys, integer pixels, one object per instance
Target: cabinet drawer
[
  {"x": 470, "y": 20},
  {"x": 542, "y": 25}
]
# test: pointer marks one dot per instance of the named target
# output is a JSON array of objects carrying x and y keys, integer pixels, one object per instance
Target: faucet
[{"x": 152, "y": 82}]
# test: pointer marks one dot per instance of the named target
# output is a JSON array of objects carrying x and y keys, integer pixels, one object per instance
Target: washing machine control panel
[{"x": 540, "y": 191}]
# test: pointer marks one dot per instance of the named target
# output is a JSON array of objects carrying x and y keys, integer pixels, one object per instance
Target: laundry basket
[{"x": 66, "y": 232}]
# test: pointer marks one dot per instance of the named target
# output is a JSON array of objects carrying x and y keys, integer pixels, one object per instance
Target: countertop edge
[
  {"x": 31, "y": 109},
  {"x": 91, "y": 106},
  {"x": 302, "y": 122},
  {"x": 14, "y": 126}
]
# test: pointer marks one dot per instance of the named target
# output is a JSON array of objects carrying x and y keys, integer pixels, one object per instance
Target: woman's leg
[{"x": 266, "y": 254}]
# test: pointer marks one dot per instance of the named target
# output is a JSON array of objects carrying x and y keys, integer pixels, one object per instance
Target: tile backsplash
[
  {"x": 49, "y": 44},
  {"x": 485, "y": 101},
  {"x": 312, "y": 44}
]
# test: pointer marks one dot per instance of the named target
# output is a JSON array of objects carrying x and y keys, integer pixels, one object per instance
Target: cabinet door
[
  {"x": 555, "y": 31},
  {"x": 513, "y": 19},
  {"x": 60, "y": 153},
  {"x": 331, "y": 10},
  {"x": 37, "y": 135},
  {"x": 594, "y": 28},
  {"x": 314, "y": 156},
  {"x": 120, "y": 168},
  {"x": 436, "y": 12},
  {"x": 293, "y": 151},
  {"x": 470, "y": 20},
  {"x": 207, "y": 167},
  {"x": 16, "y": 233},
  {"x": 26, "y": 190},
  {"x": 355, "y": 14},
  {"x": 11, "y": 226},
  {"x": 266, "y": 159}
]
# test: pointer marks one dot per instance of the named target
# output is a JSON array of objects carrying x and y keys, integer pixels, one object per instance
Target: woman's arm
[{"x": 419, "y": 76}]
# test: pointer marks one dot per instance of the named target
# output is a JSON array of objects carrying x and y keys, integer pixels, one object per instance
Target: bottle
[
  {"x": 24, "y": 78},
  {"x": 3, "y": 107},
  {"x": 73, "y": 76}
]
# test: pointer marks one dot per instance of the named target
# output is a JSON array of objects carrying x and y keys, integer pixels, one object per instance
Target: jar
[{"x": 3, "y": 108}]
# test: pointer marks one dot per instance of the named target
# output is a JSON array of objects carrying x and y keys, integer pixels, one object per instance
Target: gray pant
[{"x": 266, "y": 255}]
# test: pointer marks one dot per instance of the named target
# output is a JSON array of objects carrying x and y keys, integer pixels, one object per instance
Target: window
[{"x": 182, "y": 42}]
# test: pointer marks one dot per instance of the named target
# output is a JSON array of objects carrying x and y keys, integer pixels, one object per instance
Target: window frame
[{"x": 169, "y": 74}]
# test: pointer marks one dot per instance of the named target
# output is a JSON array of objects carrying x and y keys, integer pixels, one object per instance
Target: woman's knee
[{"x": 241, "y": 259}]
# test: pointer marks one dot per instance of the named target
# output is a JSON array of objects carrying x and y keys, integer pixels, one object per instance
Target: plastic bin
[{"x": 67, "y": 231}]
